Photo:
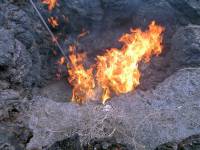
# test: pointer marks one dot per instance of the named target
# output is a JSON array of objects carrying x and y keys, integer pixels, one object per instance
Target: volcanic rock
[
  {"x": 14, "y": 137},
  {"x": 15, "y": 60},
  {"x": 7, "y": 47},
  {"x": 189, "y": 8},
  {"x": 190, "y": 143},
  {"x": 142, "y": 119},
  {"x": 25, "y": 46},
  {"x": 71, "y": 143},
  {"x": 9, "y": 104},
  {"x": 105, "y": 144},
  {"x": 8, "y": 95},
  {"x": 186, "y": 46}
]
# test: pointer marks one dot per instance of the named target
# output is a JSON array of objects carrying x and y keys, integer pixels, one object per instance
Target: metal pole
[{"x": 50, "y": 32}]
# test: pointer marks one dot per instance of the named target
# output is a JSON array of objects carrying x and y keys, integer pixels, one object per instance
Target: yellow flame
[
  {"x": 116, "y": 71},
  {"x": 80, "y": 78},
  {"x": 51, "y": 4}
]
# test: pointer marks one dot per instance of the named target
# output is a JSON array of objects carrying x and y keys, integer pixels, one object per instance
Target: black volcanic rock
[
  {"x": 186, "y": 46},
  {"x": 24, "y": 45},
  {"x": 190, "y": 143},
  {"x": 71, "y": 143},
  {"x": 189, "y": 8},
  {"x": 106, "y": 144},
  {"x": 7, "y": 47},
  {"x": 14, "y": 59},
  {"x": 14, "y": 137}
]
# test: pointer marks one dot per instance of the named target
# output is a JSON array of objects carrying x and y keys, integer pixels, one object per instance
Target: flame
[
  {"x": 81, "y": 78},
  {"x": 53, "y": 21},
  {"x": 117, "y": 70},
  {"x": 51, "y": 3},
  {"x": 61, "y": 61}
]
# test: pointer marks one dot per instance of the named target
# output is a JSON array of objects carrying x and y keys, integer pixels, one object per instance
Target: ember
[
  {"x": 117, "y": 70},
  {"x": 83, "y": 33},
  {"x": 51, "y": 3},
  {"x": 61, "y": 61},
  {"x": 53, "y": 21}
]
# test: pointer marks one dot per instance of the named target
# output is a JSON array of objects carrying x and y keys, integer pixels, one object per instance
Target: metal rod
[{"x": 50, "y": 32}]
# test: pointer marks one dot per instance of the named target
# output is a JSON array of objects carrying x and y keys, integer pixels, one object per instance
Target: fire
[
  {"x": 117, "y": 70},
  {"x": 51, "y": 3},
  {"x": 53, "y": 21},
  {"x": 80, "y": 78},
  {"x": 61, "y": 61}
]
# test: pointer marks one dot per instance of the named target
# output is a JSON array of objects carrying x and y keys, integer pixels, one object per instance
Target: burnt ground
[{"x": 35, "y": 107}]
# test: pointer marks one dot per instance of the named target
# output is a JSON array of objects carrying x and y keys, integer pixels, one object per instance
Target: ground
[{"x": 35, "y": 107}]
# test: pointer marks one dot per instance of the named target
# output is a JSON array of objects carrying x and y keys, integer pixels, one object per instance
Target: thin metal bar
[{"x": 50, "y": 32}]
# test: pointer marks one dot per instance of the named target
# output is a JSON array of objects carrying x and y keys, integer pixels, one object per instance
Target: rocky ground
[{"x": 35, "y": 112}]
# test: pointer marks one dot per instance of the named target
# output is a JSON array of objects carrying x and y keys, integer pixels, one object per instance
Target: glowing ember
[
  {"x": 61, "y": 61},
  {"x": 117, "y": 70},
  {"x": 51, "y": 3},
  {"x": 82, "y": 34},
  {"x": 53, "y": 21}
]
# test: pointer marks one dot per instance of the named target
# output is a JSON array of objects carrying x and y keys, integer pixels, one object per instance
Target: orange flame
[
  {"x": 53, "y": 21},
  {"x": 117, "y": 70},
  {"x": 80, "y": 78},
  {"x": 61, "y": 61},
  {"x": 51, "y": 3}
]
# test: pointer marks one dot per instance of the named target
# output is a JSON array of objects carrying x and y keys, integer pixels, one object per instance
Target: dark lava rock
[
  {"x": 6, "y": 47},
  {"x": 10, "y": 105},
  {"x": 15, "y": 61},
  {"x": 189, "y": 8},
  {"x": 163, "y": 13},
  {"x": 13, "y": 137},
  {"x": 25, "y": 46},
  {"x": 8, "y": 95},
  {"x": 190, "y": 143},
  {"x": 105, "y": 144},
  {"x": 71, "y": 143},
  {"x": 186, "y": 46},
  {"x": 168, "y": 146}
]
